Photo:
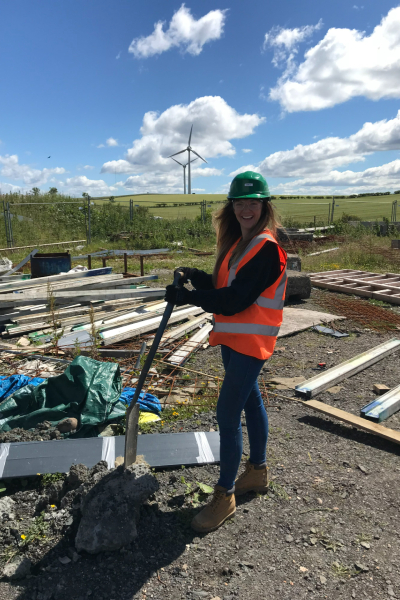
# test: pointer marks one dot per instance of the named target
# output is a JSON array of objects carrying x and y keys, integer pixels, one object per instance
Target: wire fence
[{"x": 58, "y": 221}]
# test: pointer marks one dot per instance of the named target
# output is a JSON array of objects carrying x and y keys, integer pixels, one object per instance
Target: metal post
[
  {"x": 131, "y": 210},
  {"x": 5, "y": 222},
  {"x": 189, "y": 176},
  {"x": 329, "y": 213},
  {"x": 395, "y": 211},
  {"x": 315, "y": 222},
  {"x": 89, "y": 231},
  {"x": 89, "y": 261},
  {"x": 10, "y": 231},
  {"x": 104, "y": 259},
  {"x": 333, "y": 209},
  {"x": 141, "y": 257},
  {"x": 125, "y": 262}
]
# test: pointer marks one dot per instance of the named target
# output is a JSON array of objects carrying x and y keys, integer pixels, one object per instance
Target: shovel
[{"x": 132, "y": 412}]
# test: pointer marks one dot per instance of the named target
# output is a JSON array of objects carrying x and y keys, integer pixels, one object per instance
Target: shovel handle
[{"x": 154, "y": 347}]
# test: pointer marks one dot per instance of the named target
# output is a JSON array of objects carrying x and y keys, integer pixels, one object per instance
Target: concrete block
[
  {"x": 298, "y": 285},
  {"x": 293, "y": 262}
]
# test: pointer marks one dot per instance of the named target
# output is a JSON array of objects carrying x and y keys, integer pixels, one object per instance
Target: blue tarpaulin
[
  {"x": 147, "y": 402},
  {"x": 10, "y": 384}
]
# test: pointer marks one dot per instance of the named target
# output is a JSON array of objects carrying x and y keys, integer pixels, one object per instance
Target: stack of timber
[{"x": 116, "y": 306}]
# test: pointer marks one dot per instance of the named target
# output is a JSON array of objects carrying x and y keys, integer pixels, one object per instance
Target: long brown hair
[{"x": 228, "y": 231}]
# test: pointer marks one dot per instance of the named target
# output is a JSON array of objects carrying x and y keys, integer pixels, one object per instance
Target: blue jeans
[{"x": 240, "y": 391}]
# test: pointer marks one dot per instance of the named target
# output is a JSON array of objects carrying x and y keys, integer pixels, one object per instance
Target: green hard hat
[{"x": 249, "y": 185}]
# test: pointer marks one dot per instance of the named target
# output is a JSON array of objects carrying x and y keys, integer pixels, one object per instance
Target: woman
[{"x": 246, "y": 294}]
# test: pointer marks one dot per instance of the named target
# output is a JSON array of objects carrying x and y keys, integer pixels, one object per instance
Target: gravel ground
[{"x": 328, "y": 527}]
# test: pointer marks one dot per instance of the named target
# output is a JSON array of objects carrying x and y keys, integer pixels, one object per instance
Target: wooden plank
[
  {"x": 40, "y": 281},
  {"x": 183, "y": 353},
  {"x": 128, "y": 331},
  {"x": 11, "y": 300},
  {"x": 374, "y": 428}
]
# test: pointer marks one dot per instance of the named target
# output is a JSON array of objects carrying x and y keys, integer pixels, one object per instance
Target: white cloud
[
  {"x": 95, "y": 187},
  {"x": 84, "y": 168},
  {"x": 316, "y": 165},
  {"x": 285, "y": 42},
  {"x": 345, "y": 64},
  {"x": 246, "y": 150},
  {"x": 184, "y": 32},
  {"x": 215, "y": 123},
  {"x": 118, "y": 56},
  {"x": 384, "y": 177},
  {"x": 11, "y": 168},
  {"x": 111, "y": 142},
  {"x": 9, "y": 188},
  {"x": 334, "y": 152},
  {"x": 101, "y": 146}
]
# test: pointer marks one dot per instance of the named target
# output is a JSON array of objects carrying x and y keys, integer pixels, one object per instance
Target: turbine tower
[
  {"x": 184, "y": 171},
  {"x": 189, "y": 149}
]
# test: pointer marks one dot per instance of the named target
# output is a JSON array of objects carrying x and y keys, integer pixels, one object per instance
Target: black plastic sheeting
[{"x": 26, "y": 459}]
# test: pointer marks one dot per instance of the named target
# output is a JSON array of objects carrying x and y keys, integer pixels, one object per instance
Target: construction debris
[
  {"x": 379, "y": 286},
  {"x": 329, "y": 331},
  {"x": 380, "y": 388},
  {"x": 325, "y": 380},
  {"x": 387, "y": 405}
]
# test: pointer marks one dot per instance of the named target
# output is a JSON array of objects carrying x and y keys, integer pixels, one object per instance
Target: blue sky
[{"x": 307, "y": 93}]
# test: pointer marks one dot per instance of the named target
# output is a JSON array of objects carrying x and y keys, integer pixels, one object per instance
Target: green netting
[{"x": 88, "y": 390}]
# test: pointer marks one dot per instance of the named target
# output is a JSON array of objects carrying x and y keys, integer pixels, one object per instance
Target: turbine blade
[
  {"x": 190, "y": 135},
  {"x": 176, "y": 153},
  {"x": 193, "y": 159},
  {"x": 194, "y": 152},
  {"x": 177, "y": 161}
]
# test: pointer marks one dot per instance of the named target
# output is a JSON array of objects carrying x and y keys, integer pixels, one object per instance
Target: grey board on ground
[
  {"x": 298, "y": 319},
  {"x": 26, "y": 459}
]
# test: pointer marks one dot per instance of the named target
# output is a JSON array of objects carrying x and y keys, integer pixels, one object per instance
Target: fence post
[
  {"x": 131, "y": 210},
  {"x": 329, "y": 213},
  {"x": 89, "y": 229},
  {"x": 333, "y": 208},
  {"x": 10, "y": 231}
]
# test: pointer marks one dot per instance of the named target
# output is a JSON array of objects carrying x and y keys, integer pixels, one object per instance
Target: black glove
[
  {"x": 187, "y": 274},
  {"x": 176, "y": 295}
]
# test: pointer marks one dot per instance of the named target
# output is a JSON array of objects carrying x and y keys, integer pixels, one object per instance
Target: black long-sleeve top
[{"x": 259, "y": 273}]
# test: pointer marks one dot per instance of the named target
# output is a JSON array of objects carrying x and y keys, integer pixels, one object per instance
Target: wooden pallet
[{"x": 380, "y": 286}]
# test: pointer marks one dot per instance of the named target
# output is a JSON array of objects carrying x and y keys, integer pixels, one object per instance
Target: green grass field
[{"x": 301, "y": 210}]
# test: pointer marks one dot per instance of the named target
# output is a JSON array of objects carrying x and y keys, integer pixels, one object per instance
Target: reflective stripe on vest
[
  {"x": 247, "y": 328},
  {"x": 279, "y": 301},
  {"x": 254, "y": 242}
]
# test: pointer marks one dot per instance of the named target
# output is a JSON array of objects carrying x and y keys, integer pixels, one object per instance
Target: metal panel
[
  {"x": 25, "y": 459},
  {"x": 328, "y": 378}
]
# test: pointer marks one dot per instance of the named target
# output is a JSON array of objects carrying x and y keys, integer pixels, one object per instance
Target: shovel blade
[{"x": 131, "y": 435}]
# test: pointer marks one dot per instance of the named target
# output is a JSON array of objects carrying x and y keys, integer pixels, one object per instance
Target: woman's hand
[{"x": 186, "y": 274}]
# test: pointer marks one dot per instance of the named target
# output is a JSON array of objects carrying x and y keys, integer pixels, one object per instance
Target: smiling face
[{"x": 248, "y": 213}]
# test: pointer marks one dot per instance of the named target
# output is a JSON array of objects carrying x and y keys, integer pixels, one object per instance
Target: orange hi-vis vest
[{"x": 254, "y": 330}]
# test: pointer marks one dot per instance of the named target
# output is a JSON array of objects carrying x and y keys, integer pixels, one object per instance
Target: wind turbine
[
  {"x": 184, "y": 171},
  {"x": 189, "y": 149}
]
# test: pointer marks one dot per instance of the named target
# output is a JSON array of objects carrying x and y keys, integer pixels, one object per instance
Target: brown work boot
[
  {"x": 221, "y": 507},
  {"x": 253, "y": 479}
]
